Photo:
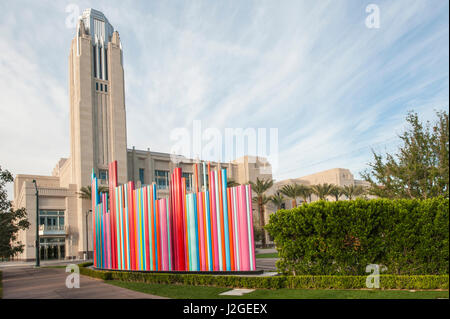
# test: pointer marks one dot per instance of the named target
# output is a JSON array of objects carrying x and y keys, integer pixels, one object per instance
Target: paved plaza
[{"x": 50, "y": 283}]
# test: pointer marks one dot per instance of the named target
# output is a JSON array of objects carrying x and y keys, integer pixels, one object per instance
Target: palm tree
[
  {"x": 232, "y": 183},
  {"x": 277, "y": 199},
  {"x": 337, "y": 192},
  {"x": 322, "y": 190},
  {"x": 292, "y": 191},
  {"x": 86, "y": 192},
  {"x": 260, "y": 187},
  {"x": 304, "y": 192},
  {"x": 351, "y": 191}
]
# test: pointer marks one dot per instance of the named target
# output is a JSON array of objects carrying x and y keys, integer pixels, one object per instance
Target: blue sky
[{"x": 333, "y": 87}]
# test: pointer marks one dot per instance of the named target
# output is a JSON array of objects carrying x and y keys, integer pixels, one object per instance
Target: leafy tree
[
  {"x": 11, "y": 220},
  {"x": 86, "y": 191},
  {"x": 352, "y": 191},
  {"x": 277, "y": 199},
  {"x": 260, "y": 187},
  {"x": 337, "y": 192},
  {"x": 322, "y": 190},
  {"x": 419, "y": 169},
  {"x": 292, "y": 191}
]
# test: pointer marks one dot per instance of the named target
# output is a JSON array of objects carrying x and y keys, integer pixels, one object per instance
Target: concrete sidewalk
[
  {"x": 265, "y": 250},
  {"x": 266, "y": 264},
  {"x": 50, "y": 283}
]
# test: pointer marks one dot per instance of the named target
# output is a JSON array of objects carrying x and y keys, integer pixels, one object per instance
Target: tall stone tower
[
  {"x": 97, "y": 99},
  {"x": 97, "y": 107}
]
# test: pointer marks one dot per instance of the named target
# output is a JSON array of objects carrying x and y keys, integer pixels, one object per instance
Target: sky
[{"x": 334, "y": 88}]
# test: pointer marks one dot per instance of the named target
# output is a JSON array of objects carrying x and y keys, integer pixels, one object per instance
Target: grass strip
[{"x": 199, "y": 292}]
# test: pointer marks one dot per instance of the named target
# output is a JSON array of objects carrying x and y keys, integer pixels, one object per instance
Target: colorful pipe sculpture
[{"x": 209, "y": 230}]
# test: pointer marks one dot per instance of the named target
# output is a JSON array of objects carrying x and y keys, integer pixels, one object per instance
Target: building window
[
  {"x": 48, "y": 240},
  {"x": 103, "y": 174},
  {"x": 141, "y": 175},
  {"x": 101, "y": 87},
  {"x": 207, "y": 180},
  {"x": 96, "y": 86},
  {"x": 106, "y": 88},
  {"x": 51, "y": 220},
  {"x": 161, "y": 179},
  {"x": 188, "y": 177}
]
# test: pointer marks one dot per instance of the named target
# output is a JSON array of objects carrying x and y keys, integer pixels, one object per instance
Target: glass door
[
  {"x": 52, "y": 248},
  {"x": 62, "y": 252}
]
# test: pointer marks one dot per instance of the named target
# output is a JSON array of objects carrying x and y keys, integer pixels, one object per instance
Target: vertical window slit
[
  {"x": 106, "y": 65},
  {"x": 100, "y": 61},
  {"x": 95, "y": 61}
]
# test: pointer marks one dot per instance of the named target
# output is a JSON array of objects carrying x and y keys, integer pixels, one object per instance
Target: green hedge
[
  {"x": 407, "y": 237},
  {"x": 276, "y": 282},
  {"x": 86, "y": 264},
  {"x": 352, "y": 282}
]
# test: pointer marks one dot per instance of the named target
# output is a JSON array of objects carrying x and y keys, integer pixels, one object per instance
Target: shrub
[
  {"x": 276, "y": 282},
  {"x": 86, "y": 264},
  {"x": 407, "y": 237}
]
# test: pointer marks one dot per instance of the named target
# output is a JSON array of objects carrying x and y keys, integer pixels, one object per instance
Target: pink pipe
[
  {"x": 108, "y": 238},
  {"x": 163, "y": 232},
  {"x": 252, "y": 238},
  {"x": 237, "y": 242},
  {"x": 201, "y": 233},
  {"x": 243, "y": 236},
  {"x": 105, "y": 256},
  {"x": 214, "y": 221}
]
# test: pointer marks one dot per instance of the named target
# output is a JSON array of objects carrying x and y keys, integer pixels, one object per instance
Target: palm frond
[
  {"x": 277, "y": 199},
  {"x": 86, "y": 191}
]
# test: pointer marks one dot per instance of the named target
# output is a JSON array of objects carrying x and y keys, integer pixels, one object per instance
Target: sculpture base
[{"x": 246, "y": 272}]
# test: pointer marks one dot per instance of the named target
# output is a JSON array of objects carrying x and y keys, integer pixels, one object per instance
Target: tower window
[
  {"x": 101, "y": 87},
  {"x": 106, "y": 88},
  {"x": 100, "y": 62},
  {"x": 106, "y": 64},
  {"x": 96, "y": 86},
  {"x": 95, "y": 61}
]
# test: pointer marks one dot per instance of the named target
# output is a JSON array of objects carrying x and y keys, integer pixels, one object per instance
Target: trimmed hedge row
[
  {"x": 406, "y": 237},
  {"x": 358, "y": 282},
  {"x": 276, "y": 282}
]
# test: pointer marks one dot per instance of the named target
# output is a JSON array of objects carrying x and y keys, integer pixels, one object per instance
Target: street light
[
  {"x": 87, "y": 235},
  {"x": 37, "y": 224}
]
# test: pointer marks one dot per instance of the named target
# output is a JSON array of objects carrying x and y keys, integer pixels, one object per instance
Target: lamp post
[
  {"x": 87, "y": 233},
  {"x": 37, "y": 224}
]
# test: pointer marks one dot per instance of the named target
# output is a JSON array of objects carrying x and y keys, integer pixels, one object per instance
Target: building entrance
[{"x": 52, "y": 248}]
